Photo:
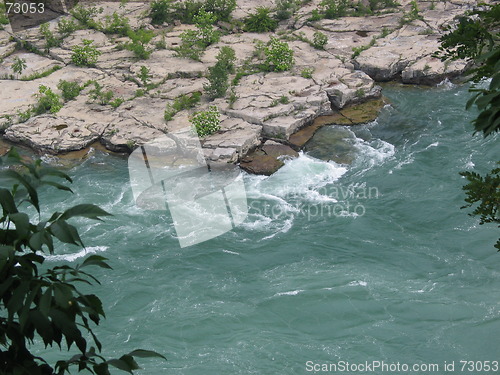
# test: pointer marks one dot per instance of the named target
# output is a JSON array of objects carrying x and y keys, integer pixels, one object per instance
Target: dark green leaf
[
  {"x": 22, "y": 222},
  {"x": 18, "y": 296},
  {"x": 65, "y": 232},
  {"x": 29, "y": 187},
  {"x": 84, "y": 210},
  {"x": 95, "y": 260},
  {"x": 57, "y": 185},
  {"x": 48, "y": 171},
  {"x": 7, "y": 201},
  {"x": 129, "y": 360},
  {"x": 63, "y": 295},
  {"x": 146, "y": 354},
  {"x": 45, "y": 302},
  {"x": 101, "y": 369},
  {"x": 119, "y": 364}
]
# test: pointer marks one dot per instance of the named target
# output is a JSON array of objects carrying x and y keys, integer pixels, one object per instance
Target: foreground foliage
[
  {"x": 476, "y": 37},
  {"x": 39, "y": 303}
]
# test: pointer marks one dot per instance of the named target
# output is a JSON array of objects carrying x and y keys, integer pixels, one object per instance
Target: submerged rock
[
  {"x": 267, "y": 159},
  {"x": 333, "y": 143}
]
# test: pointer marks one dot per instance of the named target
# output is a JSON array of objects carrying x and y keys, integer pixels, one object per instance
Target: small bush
[
  {"x": 24, "y": 116},
  {"x": 279, "y": 56},
  {"x": 144, "y": 75},
  {"x": 70, "y": 90},
  {"x": 86, "y": 15},
  {"x": 4, "y": 20},
  {"x": 260, "y": 21},
  {"x": 19, "y": 65},
  {"x": 219, "y": 73},
  {"x": 315, "y": 16},
  {"x": 49, "y": 37},
  {"x": 116, "y": 24},
  {"x": 140, "y": 40},
  {"x": 85, "y": 55},
  {"x": 194, "y": 42},
  {"x": 190, "y": 46},
  {"x": 221, "y": 8},
  {"x": 96, "y": 94},
  {"x": 204, "y": 22},
  {"x": 285, "y": 9},
  {"x": 307, "y": 72},
  {"x": 66, "y": 27},
  {"x": 117, "y": 102},
  {"x": 160, "y": 11},
  {"x": 206, "y": 122},
  {"x": 185, "y": 11},
  {"x": 413, "y": 14},
  {"x": 47, "y": 101},
  {"x": 181, "y": 103},
  {"x": 332, "y": 9},
  {"x": 319, "y": 40}
]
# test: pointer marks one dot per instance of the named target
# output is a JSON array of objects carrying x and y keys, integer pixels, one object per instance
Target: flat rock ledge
[{"x": 266, "y": 117}]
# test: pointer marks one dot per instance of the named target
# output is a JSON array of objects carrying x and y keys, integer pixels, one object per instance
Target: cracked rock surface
[{"x": 360, "y": 51}]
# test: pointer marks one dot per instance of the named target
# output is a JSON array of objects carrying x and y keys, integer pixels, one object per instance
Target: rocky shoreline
[{"x": 267, "y": 110}]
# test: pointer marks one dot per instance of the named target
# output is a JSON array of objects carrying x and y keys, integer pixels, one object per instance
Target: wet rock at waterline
[
  {"x": 333, "y": 143},
  {"x": 267, "y": 159}
]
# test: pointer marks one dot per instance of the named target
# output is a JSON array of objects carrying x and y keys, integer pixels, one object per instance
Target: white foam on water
[
  {"x": 230, "y": 252},
  {"x": 358, "y": 283},
  {"x": 72, "y": 257},
  {"x": 372, "y": 153},
  {"x": 435, "y": 144},
  {"x": 301, "y": 176},
  {"x": 287, "y": 225},
  {"x": 446, "y": 84},
  {"x": 290, "y": 293}
]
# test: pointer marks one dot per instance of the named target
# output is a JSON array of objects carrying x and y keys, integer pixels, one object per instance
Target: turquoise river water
[{"x": 368, "y": 263}]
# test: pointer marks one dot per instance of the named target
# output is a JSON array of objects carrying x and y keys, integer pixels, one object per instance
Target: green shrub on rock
[
  {"x": 279, "y": 56},
  {"x": 332, "y": 9},
  {"x": 260, "y": 21},
  {"x": 85, "y": 55},
  {"x": 185, "y": 11},
  {"x": 181, "y": 103},
  {"x": 219, "y": 73},
  {"x": 204, "y": 22},
  {"x": 160, "y": 11},
  {"x": 47, "y": 101},
  {"x": 286, "y": 9},
  {"x": 66, "y": 27},
  {"x": 49, "y": 37},
  {"x": 70, "y": 90},
  {"x": 86, "y": 15},
  {"x": 319, "y": 40},
  {"x": 139, "y": 41},
  {"x": 206, "y": 122},
  {"x": 221, "y": 8},
  {"x": 194, "y": 42},
  {"x": 116, "y": 24},
  {"x": 19, "y": 65}
]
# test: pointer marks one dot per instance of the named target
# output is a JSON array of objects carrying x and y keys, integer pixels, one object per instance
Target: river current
[{"x": 367, "y": 262}]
